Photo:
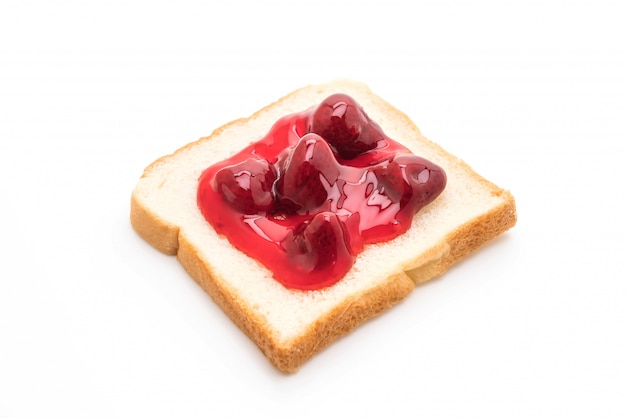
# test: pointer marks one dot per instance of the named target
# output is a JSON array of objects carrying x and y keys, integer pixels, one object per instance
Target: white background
[{"x": 95, "y": 323}]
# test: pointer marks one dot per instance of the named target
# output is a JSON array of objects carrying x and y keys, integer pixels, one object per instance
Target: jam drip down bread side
[
  {"x": 308, "y": 196},
  {"x": 315, "y": 214}
]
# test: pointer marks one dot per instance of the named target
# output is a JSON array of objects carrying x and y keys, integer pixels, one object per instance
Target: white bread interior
[{"x": 290, "y": 326}]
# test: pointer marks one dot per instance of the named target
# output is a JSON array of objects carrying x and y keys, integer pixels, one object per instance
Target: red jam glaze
[{"x": 308, "y": 196}]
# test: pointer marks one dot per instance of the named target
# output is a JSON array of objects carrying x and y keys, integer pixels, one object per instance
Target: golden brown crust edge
[
  {"x": 468, "y": 238},
  {"x": 342, "y": 319},
  {"x": 161, "y": 235}
]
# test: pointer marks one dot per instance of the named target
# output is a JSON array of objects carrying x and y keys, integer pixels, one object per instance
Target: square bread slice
[{"x": 290, "y": 326}]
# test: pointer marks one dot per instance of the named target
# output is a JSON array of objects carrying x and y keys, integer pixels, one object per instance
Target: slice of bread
[{"x": 290, "y": 326}]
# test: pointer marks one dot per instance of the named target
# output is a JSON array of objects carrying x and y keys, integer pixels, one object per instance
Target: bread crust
[
  {"x": 288, "y": 358},
  {"x": 349, "y": 313}
]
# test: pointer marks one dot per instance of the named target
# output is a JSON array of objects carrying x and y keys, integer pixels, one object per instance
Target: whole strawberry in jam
[
  {"x": 394, "y": 191},
  {"x": 247, "y": 186},
  {"x": 307, "y": 174},
  {"x": 345, "y": 126},
  {"x": 318, "y": 251},
  {"x": 426, "y": 179},
  {"x": 409, "y": 178}
]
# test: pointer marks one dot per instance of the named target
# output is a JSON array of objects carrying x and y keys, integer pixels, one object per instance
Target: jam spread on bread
[{"x": 308, "y": 196}]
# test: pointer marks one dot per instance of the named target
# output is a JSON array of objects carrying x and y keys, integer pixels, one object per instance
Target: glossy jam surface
[{"x": 308, "y": 196}]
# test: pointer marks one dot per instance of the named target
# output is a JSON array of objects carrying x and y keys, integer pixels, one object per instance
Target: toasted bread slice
[{"x": 290, "y": 326}]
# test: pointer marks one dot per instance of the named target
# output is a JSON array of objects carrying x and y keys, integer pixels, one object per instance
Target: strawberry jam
[{"x": 307, "y": 197}]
